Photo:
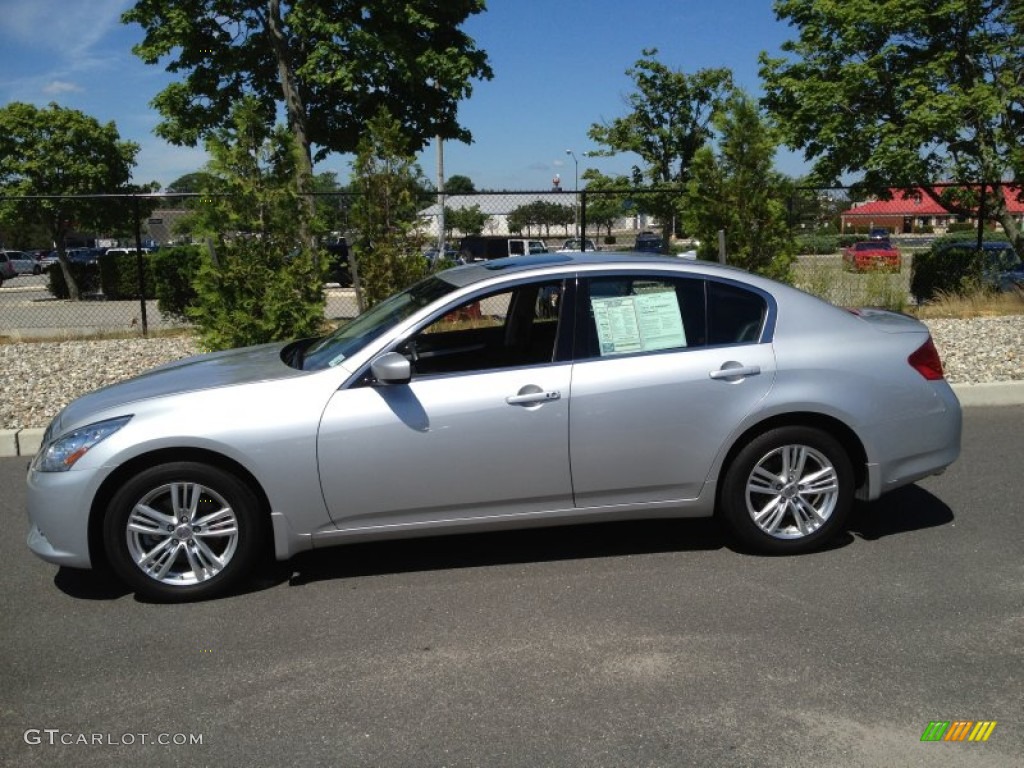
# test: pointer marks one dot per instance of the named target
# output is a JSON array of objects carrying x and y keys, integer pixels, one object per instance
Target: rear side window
[
  {"x": 624, "y": 315},
  {"x": 735, "y": 315}
]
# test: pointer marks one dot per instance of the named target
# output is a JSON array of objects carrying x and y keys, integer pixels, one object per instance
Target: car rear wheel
[
  {"x": 788, "y": 491},
  {"x": 183, "y": 531}
]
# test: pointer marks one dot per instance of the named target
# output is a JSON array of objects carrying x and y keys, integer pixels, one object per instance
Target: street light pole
[{"x": 576, "y": 191}]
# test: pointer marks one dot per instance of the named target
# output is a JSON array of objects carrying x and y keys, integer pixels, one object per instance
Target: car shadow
[
  {"x": 906, "y": 509},
  {"x": 577, "y": 542},
  {"x": 98, "y": 584},
  {"x": 902, "y": 511}
]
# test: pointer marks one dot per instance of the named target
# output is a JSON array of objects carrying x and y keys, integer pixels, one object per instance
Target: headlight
[{"x": 62, "y": 453}]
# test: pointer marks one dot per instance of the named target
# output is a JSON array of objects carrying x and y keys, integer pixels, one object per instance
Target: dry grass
[
  {"x": 981, "y": 303},
  {"x": 67, "y": 334}
]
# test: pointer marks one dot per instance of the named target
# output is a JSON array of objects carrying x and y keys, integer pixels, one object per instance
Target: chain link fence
[{"x": 120, "y": 286}]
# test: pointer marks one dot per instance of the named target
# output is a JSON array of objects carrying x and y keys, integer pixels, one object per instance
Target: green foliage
[
  {"x": 247, "y": 184},
  {"x": 606, "y": 201},
  {"x": 332, "y": 65},
  {"x": 257, "y": 292},
  {"x": 906, "y": 93},
  {"x": 85, "y": 276},
  {"x": 737, "y": 190},
  {"x": 961, "y": 226},
  {"x": 58, "y": 151},
  {"x": 119, "y": 276},
  {"x": 385, "y": 212},
  {"x": 670, "y": 119},
  {"x": 468, "y": 221},
  {"x": 543, "y": 215},
  {"x": 817, "y": 244},
  {"x": 175, "y": 271},
  {"x": 459, "y": 185},
  {"x": 953, "y": 272}
]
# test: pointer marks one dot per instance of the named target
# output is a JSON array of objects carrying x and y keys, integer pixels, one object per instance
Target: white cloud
[{"x": 57, "y": 87}]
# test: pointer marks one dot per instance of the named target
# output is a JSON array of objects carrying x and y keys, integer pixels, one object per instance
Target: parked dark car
[
  {"x": 1003, "y": 270},
  {"x": 647, "y": 242}
]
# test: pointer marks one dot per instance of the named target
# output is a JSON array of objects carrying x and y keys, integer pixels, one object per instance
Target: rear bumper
[{"x": 917, "y": 447}]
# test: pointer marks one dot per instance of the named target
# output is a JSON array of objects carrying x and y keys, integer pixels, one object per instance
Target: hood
[{"x": 217, "y": 369}]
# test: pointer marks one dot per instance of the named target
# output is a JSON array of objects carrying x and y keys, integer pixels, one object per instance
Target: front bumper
[{"x": 58, "y": 511}]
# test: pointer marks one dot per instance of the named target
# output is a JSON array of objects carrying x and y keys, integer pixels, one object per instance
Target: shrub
[
  {"x": 258, "y": 291},
  {"x": 961, "y": 226},
  {"x": 119, "y": 275},
  {"x": 86, "y": 275},
  {"x": 817, "y": 244},
  {"x": 940, "y": 270},
  {"x": 174, "y": 273}
]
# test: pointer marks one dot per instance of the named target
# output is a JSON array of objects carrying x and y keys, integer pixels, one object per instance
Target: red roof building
[{"x": 911, "y": 210}]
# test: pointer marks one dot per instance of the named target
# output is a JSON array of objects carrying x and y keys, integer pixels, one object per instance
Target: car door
[
  {"x": 667, "y": 368},
  {"x": 480, "y": 432}
]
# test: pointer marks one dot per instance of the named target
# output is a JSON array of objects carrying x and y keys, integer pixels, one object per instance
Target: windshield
[{"x": 374, "y": 322}]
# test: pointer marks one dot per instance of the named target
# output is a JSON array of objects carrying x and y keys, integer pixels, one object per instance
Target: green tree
[
  {"x": 469, "y": 220},
  {"x": 329, "y": 64},
  {"x": 257, "y": 284},
  {"x": 737, "y": 190},
  {"x": 385, "y": 212},
  {"x": 190, "y": 183},
  {"x": 459, "y": 185},
  {"x": 58, "y": 151},
  {"x": 606, "y": 199},
  {"x": 907, "y": 94},
  {"x": 670, "y": 119}
]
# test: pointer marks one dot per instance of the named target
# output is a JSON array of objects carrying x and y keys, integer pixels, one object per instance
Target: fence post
[
  {"x": 721, "y": 246},
  {"x": 583, "y": 220},
  {"x": 140, "y": 264}
]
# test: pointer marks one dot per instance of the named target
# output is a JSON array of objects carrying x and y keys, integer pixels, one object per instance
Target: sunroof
[{"x": 534, "y": 260}]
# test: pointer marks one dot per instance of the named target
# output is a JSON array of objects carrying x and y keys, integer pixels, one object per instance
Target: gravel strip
[{"x": 41, "y": 378}]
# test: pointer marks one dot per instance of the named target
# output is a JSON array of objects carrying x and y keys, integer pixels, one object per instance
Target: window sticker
[{"x": 641, "y": 323}]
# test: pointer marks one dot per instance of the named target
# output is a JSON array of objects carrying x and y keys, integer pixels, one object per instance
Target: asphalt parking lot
[{"x": 639, "y": 644}]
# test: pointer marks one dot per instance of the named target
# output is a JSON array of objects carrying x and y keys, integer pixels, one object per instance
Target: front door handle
[
  {"x": 733, "y": 370},
  {"x": 533, "y": 395}
]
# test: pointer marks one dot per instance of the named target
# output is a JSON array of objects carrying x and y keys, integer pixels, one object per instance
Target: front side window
[
  {"x": 511, "y": 328},
  {"x": 375, "y": 322}
]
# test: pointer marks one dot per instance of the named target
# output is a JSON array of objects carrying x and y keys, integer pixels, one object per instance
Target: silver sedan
[{"x": 539, "y": 390}]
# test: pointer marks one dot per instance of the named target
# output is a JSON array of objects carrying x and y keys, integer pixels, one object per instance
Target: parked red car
[{"x": 872, "y": 254}]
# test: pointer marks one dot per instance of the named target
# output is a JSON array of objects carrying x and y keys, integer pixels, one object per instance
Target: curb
[
  {"x": 26, "y": 442},
  {"x": 20, "y": 442}
]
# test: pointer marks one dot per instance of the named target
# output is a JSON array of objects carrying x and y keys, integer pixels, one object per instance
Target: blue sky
[{"x": 559, "y": 66}]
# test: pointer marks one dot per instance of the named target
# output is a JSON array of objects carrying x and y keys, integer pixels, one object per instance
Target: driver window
[{"x": 512, "y": 328}]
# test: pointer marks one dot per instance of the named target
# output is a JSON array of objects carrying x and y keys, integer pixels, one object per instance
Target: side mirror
[{"x": 391, "y": 368}]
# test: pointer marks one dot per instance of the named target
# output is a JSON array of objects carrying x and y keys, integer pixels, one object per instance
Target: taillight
[{"x": 926, "y": 361}]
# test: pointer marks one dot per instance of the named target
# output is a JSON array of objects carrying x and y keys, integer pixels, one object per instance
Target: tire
[
  {"x": 160, "y": 510},
  {"x": 788, "y": 491}
]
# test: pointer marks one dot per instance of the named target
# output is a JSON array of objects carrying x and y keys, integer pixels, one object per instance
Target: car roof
[{"x": 484, "y": 270}]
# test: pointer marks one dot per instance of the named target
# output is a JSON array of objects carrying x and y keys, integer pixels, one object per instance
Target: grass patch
[
  {"x": 980, "y": 303},
  {"x": 826, "y": 277},
  {"x": 66, "y": 334}
]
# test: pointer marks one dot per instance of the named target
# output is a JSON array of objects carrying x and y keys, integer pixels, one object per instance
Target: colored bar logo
[{"x": 958, "y": 730}]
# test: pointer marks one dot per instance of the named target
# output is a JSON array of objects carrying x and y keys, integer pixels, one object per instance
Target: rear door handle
[{"x": 735, "y": 371}]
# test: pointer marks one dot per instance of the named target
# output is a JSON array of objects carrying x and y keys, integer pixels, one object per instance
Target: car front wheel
[
  {"x": 183, "y": 531},
  {"x": 788, "y": 491}
]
